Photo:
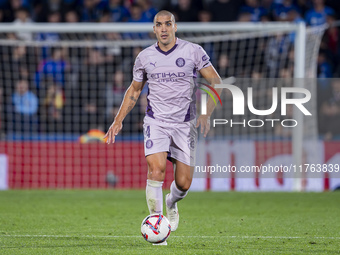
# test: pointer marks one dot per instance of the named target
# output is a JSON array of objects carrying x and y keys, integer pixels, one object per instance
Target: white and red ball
[{"x": 155, "y": 228}]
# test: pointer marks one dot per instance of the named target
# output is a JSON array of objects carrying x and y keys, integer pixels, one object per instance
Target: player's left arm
[{"x": 210, "y": 74}]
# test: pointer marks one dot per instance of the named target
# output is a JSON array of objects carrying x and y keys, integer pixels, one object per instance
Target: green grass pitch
[{"x": 108, "y": 222}]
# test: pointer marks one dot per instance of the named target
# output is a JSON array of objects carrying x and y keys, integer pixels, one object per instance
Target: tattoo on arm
[
  {"x": 129, "y": 109},
  {"x": 132, "y": 104},
  {"x": 133, "y": 99}
]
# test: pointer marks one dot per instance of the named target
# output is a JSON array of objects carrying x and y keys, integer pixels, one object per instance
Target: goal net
[{"x": 62, "y": 85}]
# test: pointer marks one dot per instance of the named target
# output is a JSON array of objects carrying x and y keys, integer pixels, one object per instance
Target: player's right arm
[{"x": 130, "y": 98}]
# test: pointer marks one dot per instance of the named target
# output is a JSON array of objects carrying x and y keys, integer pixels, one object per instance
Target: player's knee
[
  {"x": 183, "y": 184},
  {"x": 184, "y": 187},
  {"x": 156, "y": 175},
  {"x": 156, "y": 172}
]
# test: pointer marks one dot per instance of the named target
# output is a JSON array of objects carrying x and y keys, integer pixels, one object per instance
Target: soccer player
[{"x": 170, "y": 126}]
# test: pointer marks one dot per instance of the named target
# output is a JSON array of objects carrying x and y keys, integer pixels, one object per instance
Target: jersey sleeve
[
  {"x": 138, "y": 70},
  {"x": 201, "y": 58}
]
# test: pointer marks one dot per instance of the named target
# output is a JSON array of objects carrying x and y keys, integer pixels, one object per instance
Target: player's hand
[
  {"x": 113, "y": 131},
  {"x": 204, "y": 121}
]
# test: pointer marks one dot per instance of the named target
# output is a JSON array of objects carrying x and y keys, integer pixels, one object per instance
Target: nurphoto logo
[{"x": 238, "y": 101}]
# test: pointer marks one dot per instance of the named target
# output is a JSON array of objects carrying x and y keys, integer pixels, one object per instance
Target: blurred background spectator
[
  {"x": 53, "y": 68},
  {"x": 71, "y": 16},
  {"x": 91, "y": 10},
  {"x": 21, "y": 18},
  {"x": 136, "y": 14},
  {"x": 225, "y": 10},
  {"x": 51, "y": 115},
  {"x": 118, "y": 11},
  {"x": 281, "y": 10},
  {"x": 324, "y": 67},
  {"x": 186, "y": 11},
  {"x": 24, "y": 109},
  {"x": 318, "y": 14},
  {"x": 253, "y": 8},
  {"x": 148, "y": 10},
  {"x": 314, "y": 12}
]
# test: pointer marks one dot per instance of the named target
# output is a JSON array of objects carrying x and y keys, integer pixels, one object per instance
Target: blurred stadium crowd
[
  {"x": 314, "y": 12},
  {"x": 52, "y": 108}
]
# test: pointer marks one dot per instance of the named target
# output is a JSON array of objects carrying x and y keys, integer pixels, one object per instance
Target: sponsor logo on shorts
[
  {"x": 149, "y": 144},
  {"x": 180, "y": 62}
]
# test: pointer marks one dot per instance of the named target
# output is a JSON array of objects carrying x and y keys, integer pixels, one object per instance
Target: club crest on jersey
[
  {"x": 149, "y": 144},
  {"x": 191, "y": 143},
  {"x": 180, "y": 62}
]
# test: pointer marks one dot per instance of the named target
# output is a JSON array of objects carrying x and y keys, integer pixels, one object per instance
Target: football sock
[
  {"x": 154, "y": 196},
  {"x": 175, "y": 195}
]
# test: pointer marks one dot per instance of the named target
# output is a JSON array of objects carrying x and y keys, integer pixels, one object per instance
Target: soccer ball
[{"x": 155, "y": 228}]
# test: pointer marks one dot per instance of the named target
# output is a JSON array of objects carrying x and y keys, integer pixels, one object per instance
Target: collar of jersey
[{"x": 166, "y": 52}]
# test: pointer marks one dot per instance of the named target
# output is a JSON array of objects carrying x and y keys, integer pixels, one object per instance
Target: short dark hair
[{"x": 164, "y": 13}]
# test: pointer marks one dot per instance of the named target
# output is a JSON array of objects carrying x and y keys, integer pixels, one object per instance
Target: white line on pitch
[{"x": 235, "y": 237}]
